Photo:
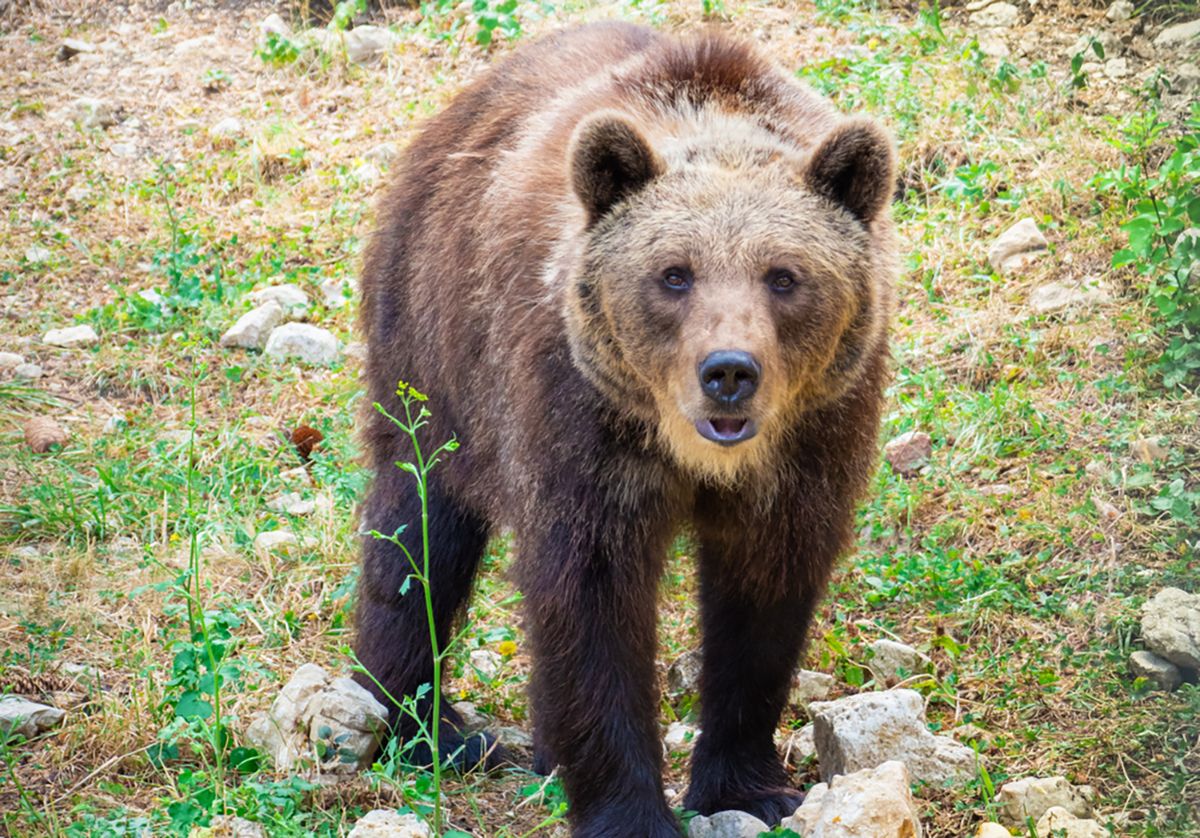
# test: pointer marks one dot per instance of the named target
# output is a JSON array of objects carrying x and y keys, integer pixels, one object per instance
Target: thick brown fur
[{"x": 523, "y": 275}]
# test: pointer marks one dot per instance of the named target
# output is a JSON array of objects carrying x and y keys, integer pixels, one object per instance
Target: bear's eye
[
  {"x": 781, "y": 279},
  {"x": 677, "y": 279}
]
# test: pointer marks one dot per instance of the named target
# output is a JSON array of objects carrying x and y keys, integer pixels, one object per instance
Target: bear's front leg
[{"x": 590, "y": 600}]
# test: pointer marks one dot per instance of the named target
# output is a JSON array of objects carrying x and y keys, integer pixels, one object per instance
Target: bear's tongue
[{"x": 726, "y": 426}]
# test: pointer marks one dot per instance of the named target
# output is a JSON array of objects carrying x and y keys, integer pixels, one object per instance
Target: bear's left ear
[
  {"x": 610, "y": 160},
  {"x": 855, "y": 166}
]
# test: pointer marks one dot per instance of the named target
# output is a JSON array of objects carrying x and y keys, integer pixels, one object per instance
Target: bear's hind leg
[{"x": 392, "y": 630}]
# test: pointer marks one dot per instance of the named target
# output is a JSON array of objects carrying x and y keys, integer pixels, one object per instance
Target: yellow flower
[{"x": 507, "y": 648}]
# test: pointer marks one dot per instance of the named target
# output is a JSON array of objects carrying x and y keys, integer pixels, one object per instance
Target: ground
[{"x": 1062, "y": 491}]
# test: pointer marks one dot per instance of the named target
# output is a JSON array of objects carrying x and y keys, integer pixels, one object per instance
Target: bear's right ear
[
  {"x": 610, "y": 160},
  {"x": 855, "y": 166}
]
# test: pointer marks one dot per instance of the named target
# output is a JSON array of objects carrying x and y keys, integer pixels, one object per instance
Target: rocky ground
[{"x": 1011, "y": 649}]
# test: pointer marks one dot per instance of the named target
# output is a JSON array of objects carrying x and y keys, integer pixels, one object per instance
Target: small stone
[
  {"x": 683, "y": 675},
  {"x": 35, "y": 254},
  {"x": 291, "y": 298},
  {"x": 10, "y": 360},
  {"x": 89, "y": 112},
  {"x": 1120, "y": 11},
  {"x": 730, "y": 824},
  {"x": 383, "y": 154},
  {"x": 252, "y": 328},
  {"x": 892, "y": 662},
  {"x": 228, "y": 826},
  {"x": 152, "y": 296},
  {"x": 472, "y": 719},
  {"x": 486, "y": 663},
  {"x": 1163, "y": 674},
  {"x": 1017, "y": 247},
  {"x": 1033, "y": 796},
  {"x": 70, "y": 337},
  {"x": 28, "y": 371},
  {"x": 680, "y": 736},
  {"x": 992, "y": 830},
  {"x": 1186, "y": 79},
  {"x": 996, "y": 16},
  {"x": 809, "y": 686},
  {"x": 1116, "y": 68},
  {"x": 994, "y": 44},
  {"x": 367, "y": 174},
  {"x": 868, "y": 729},
  {"x": 72, "y": 47},
  {"x": 1054, "y": 297},
  {"x": 1148, "y": 450},
  {"x": 1060, "y": 823},
  {"x": 909, "y": 452},
  {"x": 513, "y": 737},
  {"x": 1179, "y": 36},
  {"x": 384, "y": 823},
  {"x": 273, "y": 24},
  {"x": 1086, "y": 43},
  {"x": 968, "y": 733},
  {"x": 871, "y": 803},
  {"x": 799, "y": 745},
  {"x": 367, "y": 44},
  {"x": 79, "y": 194},
  {"x": 997, "y": 490},
  {"x": 272, "y": 540},
  {"x": 307, "y": 343},
  {"x": 356, "y": 351},
  {"x": 226, "y": 131},
  {"x": 290, "y": 503},
  {"x": 20, "y": 717},
  {"x": 1171, "y": 627}
]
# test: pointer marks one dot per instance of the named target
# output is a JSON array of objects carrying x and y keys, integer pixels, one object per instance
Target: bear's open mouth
[{"x": 726, "y": 430}]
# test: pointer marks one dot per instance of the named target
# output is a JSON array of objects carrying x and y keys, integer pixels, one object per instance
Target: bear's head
[{"x": 727, "y": 281}]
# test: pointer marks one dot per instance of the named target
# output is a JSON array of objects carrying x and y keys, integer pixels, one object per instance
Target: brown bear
[{"x": 646, "y": 283}]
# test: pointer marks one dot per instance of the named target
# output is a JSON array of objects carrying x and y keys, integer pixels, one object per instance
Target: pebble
[
  {"x": 28, "y": 371},
  {"x": 10, "y": 360},
  {"x": 996, "y": 16},
  {"x": 1119, "y": 11},
  {"x": 367, "y": 44},
  {"x": 680, "y": 737},
  {"x": 290, "y": 503},
  {"x": 909, "y": 452},
  {"x": 72, "y": 336},
  {"x": 1018, "y": 246},
  {"x": 809, "y": 686},
  {"x": 1059, "y": 823},
  {"x": 1163, "y": 674},
  {"x": 307, "y": 343},
  {"x": 486, "y": 663},
  {"x": 384, "y": 823},
  {"x": 272, "y": 540},
  {"x": 291, "y": 298},
  {"x": 799, "y": 745},
  {"x": 1179, "y": 36},
  {"x": 1147, "y": 450},
  {"x": 90, "y": 112},
  {"x": 870, "y": 803},
  {"x": 383, "y": 154},
  {"x": 1055, "y": 297},
  {"x": 21, "y": 717},
  {"x": 1171, "y": 627},
  {"x": 252, "y": 328},
  {"x": 730, "y": 824},
  {"x": 1032, "y": 797},
  {"x": 893, "y": 662},
  {"x": 72, "y": 47},
  {"x": 683, "y": 675}
]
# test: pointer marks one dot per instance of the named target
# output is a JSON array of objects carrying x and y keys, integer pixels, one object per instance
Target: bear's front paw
[{"x": 768, "y": 805}]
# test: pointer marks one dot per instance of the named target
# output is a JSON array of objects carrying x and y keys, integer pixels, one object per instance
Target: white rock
[
  {"x": 1119, "y": 11},
  {"x": 893, "y": 662},
  {"x": 383, "y": 154},
  {"x": 79, "y": 194},
  {"x": 72, "y": 336},
  {"x": 513, "y": 737},
  {"x": 152, "y": 296},
  {"x": 472, "y": 719},
  {"x": 316, "y": 719},
  {"x": 680, "y": 736},
  {"x": 272, "y": 540},
  {"x": 996, "y": 16},
  {"x": 809, "y": 686},
  {"x": 1054, "y": 297},
  {"x": 273, "y": 24},
  {"x": 90, "y": 112},
  {"x": 1116, "y": 68},
  {"x": 322, "y": 40},
  {"x": 1171, "y": 627},
  {"x": 384, "y": 823},
  {"x": 683, "y": 675},
  {"x": 731, "y": 824},
  {"x": 26, "y": 718},
  {"x": 252, "y": 328},
  {"x": 993, "y": 43},
  {"x": 1180, "y": 35},
  {"x": 799, "y": 745},
  {"x": 992, "y": 830},
  {"x": 290, "y": 503},
  {"x": 909, "y": 452},
  {"x": 229, "y": 826},
  {"x": 35, "y": 254},
  {"x": 871, "y": 803},
  {"x": 1109, "y": 43},
  {"x": 226, "y": 130},
  {"x": 1033, "y": 796},
  {"x": 367, "y": 44},
  {"x": 291, "y": 298},
  {"x": 869, "y": 729},
  {"x": 1186, "y": 79},
  {"x": 1059, "y": 823},
  {"x": 305, "y": 342},
  {"x": 367, "y": 174},
  {"x": 486, "y": 663},
  {"x": 1017, "y": 247},
  {"x": 29, "y": 371},
  {"x": 1148, "y": 449},
  {"x": 10, "y": 360},
  {"x": 1161, "y": 673}
]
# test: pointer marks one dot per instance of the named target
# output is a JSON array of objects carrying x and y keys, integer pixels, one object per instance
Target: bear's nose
[{"x": 729, "y": 376}]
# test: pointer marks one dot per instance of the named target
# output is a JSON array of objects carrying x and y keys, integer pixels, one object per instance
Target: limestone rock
[
  {"x": 996, "y": 16},
  {"x": 28, "y": 371},
  {"x": 367, "y": 44},
  {"x": 1147, "y": 450},
  {"x": 472, "y": 719},
  {"x": 10, "y": 360},
  {"x": 992, "y": 830},
  {"x": 1180, "y": 36},
  {"x": 317, "y": 720},
  {"x": 893, "y": 662},
  {"x": 1171, "y": 627},
  {"x": 909, "y": 452},
  {"x": 252, "y": 328},
  {"x": 1017, "y": 247},
  {"x": 289, "y": 297},
  {"x": 1033, "y": 796},
  {"x": 90, "y": 112},
  {"x": 871, "y": 803},
  {"x": 1161, "y": 673},
  {"x": 1059, "y": 823},
  {"x": 228, "y": 826},
  {"x": 26, "y": 718},
  {"x": 383, "y": 154},
  {"x": 1054, "y": 297},
  {"x": 731, "y": 824},
  {"x": 384, "y": 823},
  {"x": 809, "y": 686},
  {"x": 680, "y": 736},
  {"x": 513, "y": 737},
  {"x": 683, "y": 676},
  {"x": 273, "y": 24},
  {"x": 486, "y": 663},
  {"x": 226, "y": 131},
  {"x": 272, "y": 540},
  {"x": 307, "y": 343},
  {"x": 290, "y": 503},
  {"x": 71, "y": 337},
  {"x": 1119, "y": 11},
  {"x": 799, "y": 745},
  {"x": 866, "y": 730},
  {"x": 1186, "y": 79}
]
